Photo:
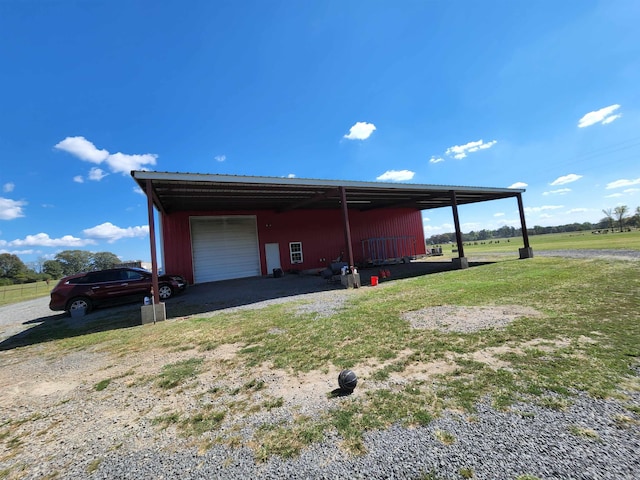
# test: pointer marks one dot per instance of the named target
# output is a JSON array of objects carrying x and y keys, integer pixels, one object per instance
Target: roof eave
[{"x": 141, "y": 175}]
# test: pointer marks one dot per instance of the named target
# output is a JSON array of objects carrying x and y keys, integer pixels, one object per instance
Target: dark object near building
[
  {"x": 109, "y": 287},
  {"x": 278, "y": 273},
  {"x": 347, "y": 380}
]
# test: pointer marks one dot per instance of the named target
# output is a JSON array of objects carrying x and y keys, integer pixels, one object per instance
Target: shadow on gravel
[{"x": 206, "y": 298}]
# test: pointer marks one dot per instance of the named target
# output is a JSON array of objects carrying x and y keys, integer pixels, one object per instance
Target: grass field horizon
[
  {"x": 552, "y": 241},
  {"x": 586, "y": 240}
]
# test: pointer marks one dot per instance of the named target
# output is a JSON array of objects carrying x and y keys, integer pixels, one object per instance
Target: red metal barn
[
  {"x": 217, "y": 227},
  {"x": 218, "y": 245}
]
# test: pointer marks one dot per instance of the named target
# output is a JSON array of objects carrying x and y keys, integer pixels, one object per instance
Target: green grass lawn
[{"x": 584, "y": 340}]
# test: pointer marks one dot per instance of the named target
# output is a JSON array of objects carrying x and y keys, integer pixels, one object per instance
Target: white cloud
[
  {"x": 518, "y": 185},
  {"x": 622, "y": 183},
  {"x": 560, "y": 191},
  {"x": 11, "y": 209},
  {"x": 460, "y": 151},
  {"x": 139, "y": 191},
  {"x": 291, "y": 175},
  {"x": 602, "y": 116},
  {"x": 78, "y": 179},
  {"x": 123, "y": 163},
  {"x": 97, "y": 174},
  {"x": 83, "y": 149},
  {"x": 610, "y": 119},
  {"x": 19, "y": 252},
  {"x": 396, "y": 175},
  {"x": 614, "y": 195},
  {"x": 513, "y": 222},
  {"x": 470, "y": 226},
  {"x": 631, "y": 190},
  {"x": 109, "y": 232},
  {"x": 43, "y": 240},
  {"x": 543, "y": 208},
  {"x": 436, "y": 159},
  {"x": 220, "y": 158},
  {"x": 433, "y": 229},
  {"x": 572, "y": 177},
  {"x": 8, "y": 187},
  {"x": 577, "y": 210},
  {"x": 499, "y": 214},
  {"x": 360, "y": 131}
]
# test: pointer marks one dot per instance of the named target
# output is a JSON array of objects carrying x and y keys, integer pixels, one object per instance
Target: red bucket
[{"x": 374, "y": 281}]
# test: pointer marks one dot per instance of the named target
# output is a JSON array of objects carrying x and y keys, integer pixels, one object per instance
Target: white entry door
[{"x": 272, "y": 255}]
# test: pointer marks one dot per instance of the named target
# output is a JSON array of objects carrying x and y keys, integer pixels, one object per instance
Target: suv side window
[
  {"x": 104, "y": 276},
  {"x": 131, "y": 275},
  {"x": 79, "y": 280}
]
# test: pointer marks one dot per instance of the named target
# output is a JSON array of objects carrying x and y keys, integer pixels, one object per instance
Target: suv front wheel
[
  {"x": 165, "y": 291},
  {"x": 79, "y": 303}
]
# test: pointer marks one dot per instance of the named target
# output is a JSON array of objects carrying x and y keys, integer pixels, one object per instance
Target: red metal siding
[
  {"x": 176, "y": 240},
  {"x": 320, "y": 231}
]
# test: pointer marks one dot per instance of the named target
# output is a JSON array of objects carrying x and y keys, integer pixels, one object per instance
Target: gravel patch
[{"x": 583, "y": 442}]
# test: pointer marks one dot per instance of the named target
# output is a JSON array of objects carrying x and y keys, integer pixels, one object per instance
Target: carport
[{"x": 175, "y": 192}]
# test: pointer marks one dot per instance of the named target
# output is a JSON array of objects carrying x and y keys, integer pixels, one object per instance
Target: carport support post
[
  {"x": 155, "y": 312},
  {"x": 461, "y": 261},
  {"x": 347, "y": 228},
  {"x": 527, "y": 251},
  {"x": 152, "y": 241}
]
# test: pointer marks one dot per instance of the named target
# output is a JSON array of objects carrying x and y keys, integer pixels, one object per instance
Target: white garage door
[{"x": 224, "y": 248}]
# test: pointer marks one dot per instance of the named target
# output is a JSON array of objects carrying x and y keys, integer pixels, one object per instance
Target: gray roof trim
[
  {"x": 242, "y": 179},
  {"x": 172, "y": 192}
]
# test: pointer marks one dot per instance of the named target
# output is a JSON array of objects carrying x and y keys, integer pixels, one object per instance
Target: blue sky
[{"x": 540, "y": 95}]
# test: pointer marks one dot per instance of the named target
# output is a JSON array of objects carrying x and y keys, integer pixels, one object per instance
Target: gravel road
[{"x": 68, "y": 431}]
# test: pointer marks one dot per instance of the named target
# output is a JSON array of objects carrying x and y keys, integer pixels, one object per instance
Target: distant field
[
  {"x": 554, "y": 241},
  {"x": 26, "y": 291}
]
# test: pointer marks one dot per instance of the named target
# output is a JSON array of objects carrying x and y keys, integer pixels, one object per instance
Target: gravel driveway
[
  {"x": 17, "y": 317},
  {"x": 69, "y": 431}
]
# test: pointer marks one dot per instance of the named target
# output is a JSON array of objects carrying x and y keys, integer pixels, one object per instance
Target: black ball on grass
[{"x": 347, "y": 380}]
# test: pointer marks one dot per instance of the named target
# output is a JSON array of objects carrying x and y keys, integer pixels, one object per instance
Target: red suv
[{"x": 107, "y": 287}]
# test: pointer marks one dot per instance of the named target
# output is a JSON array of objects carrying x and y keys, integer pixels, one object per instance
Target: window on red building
[{"x": 295, "y": 252}]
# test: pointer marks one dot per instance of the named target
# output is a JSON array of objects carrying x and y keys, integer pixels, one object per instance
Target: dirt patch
[
  {"x": 227, "y": 351},
  {"x": 422, "y": 372},
  {"x": 450, "y": 318}
]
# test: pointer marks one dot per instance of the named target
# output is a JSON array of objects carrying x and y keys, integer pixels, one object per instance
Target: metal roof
[{"x": 201, "y": 192}]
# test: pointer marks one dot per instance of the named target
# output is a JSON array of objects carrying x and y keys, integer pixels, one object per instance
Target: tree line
[
  {"x": 13, "y": 270},
  {"x": 617, "y": 218}
]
